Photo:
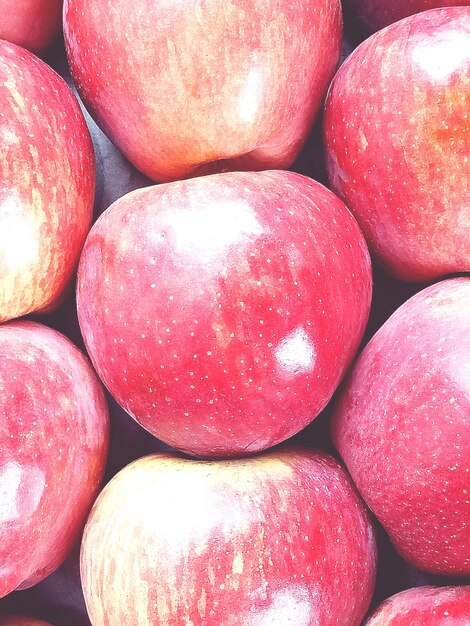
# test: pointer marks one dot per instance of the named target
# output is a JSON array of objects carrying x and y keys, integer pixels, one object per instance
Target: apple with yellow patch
[
  {"x": 279, "y": 538},
  {"x": 47, "y": 173},
  {"x": 184, "y": 88}
]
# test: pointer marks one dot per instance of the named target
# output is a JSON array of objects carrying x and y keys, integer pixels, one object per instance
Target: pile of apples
[{"x": 234, "y": 313}]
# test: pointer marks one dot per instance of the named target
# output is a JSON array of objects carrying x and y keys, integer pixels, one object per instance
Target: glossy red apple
[
  {"x": 32, "y": 24},
  {"x": 281, "y": 538},
  {"x": 221, "y": 312},
  {"x": 396, "y": 126},
  {"x": 424, "y": 606},
  {"x": 376, "y": 14},
  {"x": 189, "y": 87},
  {"x": 401, "y": 426},
  {"x": 54, "y": 441},
  {"x": 21, "y": 620},
  {"x": 47, "y": 173}
]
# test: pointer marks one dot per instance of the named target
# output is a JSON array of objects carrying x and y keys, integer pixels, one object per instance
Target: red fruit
[
  {"x": 396, "y": 126},
  {"x": 47, "y": 173},
  {"x": 401, "y": 426},
  {"x": 32, "y": 24},
  {"x": 429, "y": 606},
  {"x": 54, "y": 442},
  {"x": 185, "y": 88},
  {"x": 222, "y": 312},
  {"x": 281, "y": 538}
]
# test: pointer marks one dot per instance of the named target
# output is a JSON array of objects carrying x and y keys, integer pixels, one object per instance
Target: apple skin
[
  {"x": 376, "y": 14},
  {"x": 221, "y": 312},
  {"x": 277, "y": 538},
  {"x": 401, "y": 427},
  {"x": 21, "y": 620},
  {"x": 395, "y": 128},
  {"x": 429, "y": 605},
  {"x": 54, "y": 443},
  {"x": 31, "y": 24},
  {"x": 187, "y": 88},
  {"x": 47, "y": 169}
]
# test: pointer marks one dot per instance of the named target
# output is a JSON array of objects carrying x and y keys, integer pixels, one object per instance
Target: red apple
[
  {"x": 281, "y": 538},
  {"x": 396, "y": 126},
  {"x": 188, "y": 87},
  {"x": 47, "y": 173},
  {"x": 54, "y": 441},
  {"x": 425, "y": 606},
  {"x": 401, "y": 426},
  {"x": 32, "y": 24},
  {"x": 21, "y": 620},
  {"x": 221, "y": 312}
]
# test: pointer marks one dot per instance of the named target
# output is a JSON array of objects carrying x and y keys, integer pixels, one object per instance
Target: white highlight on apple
[
  {"x": 250, "y": 99},
  {"x": 291, "y": 605},
  {"x": 458, "y": 366},
  {"x": 8, "y": 137},
  {"x": 441, "y": 61},
  {"x": 14, "y": 478},
  {"x": 296, "y": 352},
  {"x": 208, "y": 233},
  {"x": 19, "y": 241},
  {"x": 174, "y": 527}
]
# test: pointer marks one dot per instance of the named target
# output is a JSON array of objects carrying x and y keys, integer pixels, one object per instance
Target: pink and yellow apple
[
  {"x": 54, "y": 441},
  {"x": 425, "y": 606},
  {"x": 47, "y": 174},
  {"x": 281, "y": 538},
  {"x": 185, "y": 88},
  {"x": 31, "y": 24},
  {"x": 401, "y": 427},
  {"x": 398, "y": 154},
  {"x": 222, "y": 312}
]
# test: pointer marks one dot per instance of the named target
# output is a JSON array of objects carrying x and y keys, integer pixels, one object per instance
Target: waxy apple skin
[
  {"x": 221, "y": 312},
  {"x": 401, "y": 427},
  {"x": 54, "y": 442},
  {"x": 427, "y": 605},
  {"x": 32, "y": 24},
  {"x": 47, "y": 173},
  {"x": 278, "y": 538},
  {"x": 398, "y": 154},
  {"x": 185, "y": 88},
  {"x": 376, "y": 14}
]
